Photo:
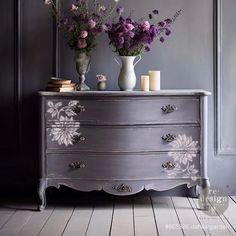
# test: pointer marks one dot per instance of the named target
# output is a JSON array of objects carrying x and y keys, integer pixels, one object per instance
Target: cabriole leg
[{"x": 41, "y": 193}]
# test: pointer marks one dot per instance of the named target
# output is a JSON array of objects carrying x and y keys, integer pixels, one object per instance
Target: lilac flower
[
  {"x": 168, "y": 21},
  {"x": 81, "y": 43},
  {"x": 131, "y": 38},
  {"x": 146, "y": 25},
  {"x": 130, "y": 26},
  {"x": 119, "y": 10},
  {"x": 161, "y": 24},
  {"x": 147, "y": 48},
  {"x": 91, "y": 23},
  {"x": 156, "y": 12},
  {"x": 104, "y": 28},
  {"x": 83, "y": 34},
  {"x": 162, "y": 39}
]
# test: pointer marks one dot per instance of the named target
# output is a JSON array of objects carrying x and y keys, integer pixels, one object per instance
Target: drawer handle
[
  {"x": 168, "y": 138},
  {"x": 78, "y": 138},
  {"x": 169, "y": 108},
  {"x": 77, "y": 165},
  {"x": 122, "y": 188},
  {"x": 168, "y": 165},
  {"x": 78, "y": 109}
]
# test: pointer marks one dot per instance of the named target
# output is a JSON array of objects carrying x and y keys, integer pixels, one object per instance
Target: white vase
[{"x": 127, "y": 78}]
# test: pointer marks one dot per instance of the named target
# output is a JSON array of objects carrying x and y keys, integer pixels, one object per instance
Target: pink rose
[
  {"x": 130, "y": 26},
  {"x": 101, "y": 78},
  {"x": 146, "y": 25},
  {"x": 91, "y": 24},
  {"x": 82, "y": 43},
  {"x": 83, "y": 34}
]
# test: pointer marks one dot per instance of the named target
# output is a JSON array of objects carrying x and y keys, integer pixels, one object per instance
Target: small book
[
  {"x": 55, "y": 80},
  {"x": 53, "y": 85},
  {"x": 69, "y": 89}
]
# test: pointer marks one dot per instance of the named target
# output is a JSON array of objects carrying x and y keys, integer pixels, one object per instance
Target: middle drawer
[
  {"x": 126, "y": 166},
  {"x": 123, "y": 138}
]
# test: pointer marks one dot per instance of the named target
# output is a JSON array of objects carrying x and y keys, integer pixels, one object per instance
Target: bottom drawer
[{"x": 123, "y": 167}]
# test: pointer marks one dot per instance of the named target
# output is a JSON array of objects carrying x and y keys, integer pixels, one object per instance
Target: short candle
[
  {"x": 155, "y": 80},
  {"x": 144, "y": 82}
]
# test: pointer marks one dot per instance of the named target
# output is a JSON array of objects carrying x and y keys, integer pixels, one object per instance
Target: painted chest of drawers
[{"x": 123, "y": 142}]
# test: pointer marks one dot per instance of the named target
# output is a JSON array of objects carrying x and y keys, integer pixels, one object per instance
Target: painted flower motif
[
  {"x": 183, "y": 158},
  {"x": 182, "y": 142},
  {"x": 53, "y": 109},
  {"x": 64, "y": 131},
  {"x": 64, "y": 128}
]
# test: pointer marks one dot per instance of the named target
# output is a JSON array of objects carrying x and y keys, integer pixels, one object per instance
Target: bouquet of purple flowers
[
  {"x": 131, "y": 38},
  {"x": 82, "y": 22}
]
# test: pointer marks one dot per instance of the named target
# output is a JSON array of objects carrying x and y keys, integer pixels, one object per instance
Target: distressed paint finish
[{"x": 123, "y": 157}]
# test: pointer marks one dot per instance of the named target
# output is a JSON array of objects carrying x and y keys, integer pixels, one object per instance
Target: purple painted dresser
[{"x": 123, "y": 142}]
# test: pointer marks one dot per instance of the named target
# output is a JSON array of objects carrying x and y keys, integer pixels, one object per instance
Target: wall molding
[{"x": 218, "y": 80}]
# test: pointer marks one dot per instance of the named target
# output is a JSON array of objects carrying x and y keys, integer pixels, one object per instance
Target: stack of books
[{"x": 60, "y": 85}]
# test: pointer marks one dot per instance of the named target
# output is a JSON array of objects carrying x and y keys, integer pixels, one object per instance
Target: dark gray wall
[{"x": 199, "y": 54}]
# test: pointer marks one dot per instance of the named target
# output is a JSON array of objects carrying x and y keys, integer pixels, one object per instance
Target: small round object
[{"x": 101, "y": 86}]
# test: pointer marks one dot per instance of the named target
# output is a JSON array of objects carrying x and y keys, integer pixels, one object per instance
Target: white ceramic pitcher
[{"x": 127, "y": 78}]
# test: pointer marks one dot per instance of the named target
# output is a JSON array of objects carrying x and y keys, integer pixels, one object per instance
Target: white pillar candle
[
  {"x": 144, "y": 82},
  {"x": 155, "y": 80}
]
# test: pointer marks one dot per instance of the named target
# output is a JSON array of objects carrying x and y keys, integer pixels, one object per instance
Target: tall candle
[
  {"x": 145, "y": 82},
  {"x": 154, "y": 80}
]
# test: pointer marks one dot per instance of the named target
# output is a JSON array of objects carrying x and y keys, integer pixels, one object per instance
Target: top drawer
[{"x": 124, "y": 111}]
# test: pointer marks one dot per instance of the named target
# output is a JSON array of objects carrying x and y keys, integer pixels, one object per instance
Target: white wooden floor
[{"x": 125, "y": 216}]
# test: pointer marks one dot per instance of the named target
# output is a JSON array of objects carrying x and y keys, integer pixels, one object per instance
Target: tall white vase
[{"x": 127, "y": 77}]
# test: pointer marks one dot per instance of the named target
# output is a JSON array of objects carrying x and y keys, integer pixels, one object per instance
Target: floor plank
[
  {"x": 100, "y": 223},
  {"x": 166, "y": 217},
  {"x": 15, "y": 223},
  {"x": 187, "y": 217},
  {"x": 144, "y": 222},
  {"x": 36, "y": 223},
  {"x": 233, "y": 198},
  {"x": 213, "y": 225},
  {"x": 230, "y": 214},
  {"x": 79, "y": 221},
  {"x": 5, "y": 215},
  {"x": 57, "y": 221},
  {"x": 123, "y": 223}
]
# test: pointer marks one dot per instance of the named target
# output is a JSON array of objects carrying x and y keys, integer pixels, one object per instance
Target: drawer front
[
  {"x": 123, "y": 139},
  {"x": 121, "y": 167},
  {"x": 114, "y": 111}
]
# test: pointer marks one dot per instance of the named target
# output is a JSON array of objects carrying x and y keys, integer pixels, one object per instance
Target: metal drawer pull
[
  {"x": 77, "y": 165},
  {"x": 169, "y": 108},
  {"x": 78, "y": 109},
  {"x": 168, "y": 138},
  {"x": 168, "y": 165},
  {"x": 78, "y": 138},
  {"x": 122, "y": 188}
]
